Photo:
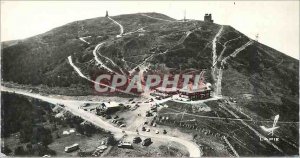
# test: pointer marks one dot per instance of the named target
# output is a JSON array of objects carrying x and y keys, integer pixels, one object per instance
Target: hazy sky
[{"x": 276, "y": 22}]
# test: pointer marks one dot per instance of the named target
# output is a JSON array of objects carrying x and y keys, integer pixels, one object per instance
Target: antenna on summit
[
  {"x": 256, "y": 37},
  {"x": 184, "y": 16},
  {"x": 106, "y": 15}
]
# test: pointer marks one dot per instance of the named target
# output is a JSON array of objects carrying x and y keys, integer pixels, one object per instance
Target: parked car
[
  {"x": 86, "y": 105},
  {"x": 156, "y": 132},
  {"x": 125, "y": 145},
  {"x": 148, "y": 130},
  {"x": 72, "y": 148},
  {"x": 148, "y": 114},
  {"x": 137, "y": 140},
  {"x": 147, "y": 142},
  {"x": 164, "y": 132},
  {"x": 113, "y": 121},
  {"x": 61, "y": 105},
  {"x": 108, "y": 117},
  {"x": 143, "y": 129},
  {"x": 119, "y": 123},
  {"x": 116, "y": 117},
  {"x": 122, "y": 125}
]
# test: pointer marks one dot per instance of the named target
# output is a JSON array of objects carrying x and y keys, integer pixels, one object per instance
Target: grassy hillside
[{"x": 42, "y": 59}]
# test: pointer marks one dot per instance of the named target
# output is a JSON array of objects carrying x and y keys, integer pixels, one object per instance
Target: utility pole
[
  {"x": 184, "y": 18},
  {"x": 256, "y": 37}
]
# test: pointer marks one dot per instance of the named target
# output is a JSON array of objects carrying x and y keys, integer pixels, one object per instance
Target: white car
[
  {"x": 122, "y": 125},
  {"x": 148, "y": 130},
  {"x": 156, "y": 131}
]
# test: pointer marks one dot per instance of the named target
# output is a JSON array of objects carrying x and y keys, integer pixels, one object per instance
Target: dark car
[
  {"x": 137, "y": 140},
  {"x": 148, "y": 114},
  {"x": 147, "y": 142},
  {"x": 119, "y": 123},
  {"x": 164, "y": 132},
  {"x": 143, "y": 129},
  {"x": 108, "y": 117}
]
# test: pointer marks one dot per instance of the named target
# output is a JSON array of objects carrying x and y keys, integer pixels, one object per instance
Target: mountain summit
[{"x": 149, "y": 41}]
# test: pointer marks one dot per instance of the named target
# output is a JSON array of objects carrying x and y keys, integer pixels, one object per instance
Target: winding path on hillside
[
  {"x": 98, "y": 60},
  {"x": 157, "y": 18},
  {"x": 214, "y": 45},
  {"x": 225, "y": 47},
  {"x": 83, "y": 39},
  {"x": 214, "y": 61},
  {"x": 73, "y": 107},
  {"x": 121, "y": 27},
  {"x": 78, "y": 71},
  {"x": 236, "y": 51}
]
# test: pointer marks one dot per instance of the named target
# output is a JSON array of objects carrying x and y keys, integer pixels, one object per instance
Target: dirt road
[
  {"x": 121, "y": 27},
  {"x": 73, "y": 107}
]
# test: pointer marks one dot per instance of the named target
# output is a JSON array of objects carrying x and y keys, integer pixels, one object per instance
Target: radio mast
[
  {"x": 256, "y": 37},
  {"x": 184, "y": 18}
]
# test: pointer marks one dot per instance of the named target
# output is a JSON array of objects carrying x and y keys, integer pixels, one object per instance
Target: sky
[{"x": 275, "y": 22}]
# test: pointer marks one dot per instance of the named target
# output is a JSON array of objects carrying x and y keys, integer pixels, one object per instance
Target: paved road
[{"x": 73, "y": 107}]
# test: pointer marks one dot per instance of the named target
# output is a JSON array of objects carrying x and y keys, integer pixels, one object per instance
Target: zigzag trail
[
  {"x": 83, "y": 39},
  {"x": 225, "y": 47},
  {"x": 220, "y": 70},
  {"x": 186, "y": 35},
  {"x": 158, "y": 18},
  {"x": 214, "y": 45},
  {"x": 121, "y": 27},
  {"x": 98, "y": 60},
  {"x": 87, "y": 78},
  {"x": 113, "y": 63},
  {"x": 237, "y": 51},
  {"x": 138, "y": 30},
  {"x": 214, "y": 57}
]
